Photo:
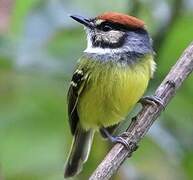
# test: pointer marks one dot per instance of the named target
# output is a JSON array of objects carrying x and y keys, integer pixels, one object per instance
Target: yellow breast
[{"x": 111, "y": 91}]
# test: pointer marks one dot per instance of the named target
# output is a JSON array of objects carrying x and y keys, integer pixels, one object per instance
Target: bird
[{"x": 109, "y": 79}]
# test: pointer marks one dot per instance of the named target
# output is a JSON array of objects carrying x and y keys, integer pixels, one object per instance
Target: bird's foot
[
  {"x": 131, "y": 146},
  {"x": 152, "y": 100}
]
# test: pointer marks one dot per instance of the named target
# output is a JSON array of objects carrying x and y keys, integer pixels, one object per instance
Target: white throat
[{"x": 100, "y": 51}]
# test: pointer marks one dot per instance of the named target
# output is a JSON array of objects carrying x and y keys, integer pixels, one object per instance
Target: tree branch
[{"x": 146, "y": 117}]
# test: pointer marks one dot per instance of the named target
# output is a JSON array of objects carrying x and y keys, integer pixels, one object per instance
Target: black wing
[{"x": 75, "y": 89}]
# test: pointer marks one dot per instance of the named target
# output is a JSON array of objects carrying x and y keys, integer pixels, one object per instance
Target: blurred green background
[{"x": 39, "y": 46}]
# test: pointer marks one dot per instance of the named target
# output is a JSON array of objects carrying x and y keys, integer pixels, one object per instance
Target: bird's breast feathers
[{"x": 111, "y": 91}]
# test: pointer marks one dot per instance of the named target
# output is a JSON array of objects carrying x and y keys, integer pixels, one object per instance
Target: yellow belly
[{"x": 111, "y": 92}]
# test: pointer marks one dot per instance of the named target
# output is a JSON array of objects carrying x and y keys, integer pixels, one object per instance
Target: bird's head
[{"x": 115, "y": 32}]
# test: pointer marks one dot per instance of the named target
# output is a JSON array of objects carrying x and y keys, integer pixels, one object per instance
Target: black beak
[{"x": 85, "y": 21}]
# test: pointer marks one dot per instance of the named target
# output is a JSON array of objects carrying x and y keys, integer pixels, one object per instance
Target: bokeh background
[{"x": 39, "y": 46}]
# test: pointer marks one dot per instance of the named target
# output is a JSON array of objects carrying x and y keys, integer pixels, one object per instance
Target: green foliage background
[{"x": 37, "y": 54}]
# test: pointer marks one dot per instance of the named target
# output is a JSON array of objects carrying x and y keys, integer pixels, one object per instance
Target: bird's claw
[
  {"x": 153, "y": 100},
  {"x": 131, "y": 146}
]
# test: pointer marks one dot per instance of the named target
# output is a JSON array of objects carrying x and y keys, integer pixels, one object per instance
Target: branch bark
[{"x": 144, "y": 120}]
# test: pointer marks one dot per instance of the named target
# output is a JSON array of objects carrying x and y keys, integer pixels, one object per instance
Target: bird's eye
[{"x": 107, "y": 28}]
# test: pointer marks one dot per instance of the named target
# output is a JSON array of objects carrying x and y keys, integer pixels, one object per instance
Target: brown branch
[{"x": 146, "y": 117}]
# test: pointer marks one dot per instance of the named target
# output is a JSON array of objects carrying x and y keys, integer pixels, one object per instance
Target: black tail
[{"x": 79, "y": 152}]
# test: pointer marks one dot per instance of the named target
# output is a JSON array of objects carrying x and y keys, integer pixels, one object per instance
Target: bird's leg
[
  {"x": 133, "y": 119},
  {"x": 153, "y": 100},
  {"x": 120, "y": 139},
  {"x": 110, "y": 130}
]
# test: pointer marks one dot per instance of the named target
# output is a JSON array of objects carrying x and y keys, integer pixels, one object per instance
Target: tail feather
[{"x": 79, "y": 153}]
